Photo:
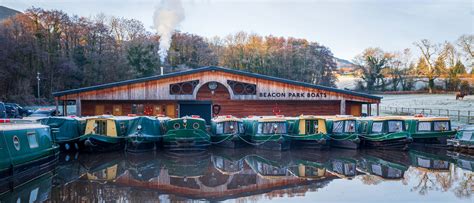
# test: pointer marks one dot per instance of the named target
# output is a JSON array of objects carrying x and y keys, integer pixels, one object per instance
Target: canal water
[{"x": 249, "y": 175}]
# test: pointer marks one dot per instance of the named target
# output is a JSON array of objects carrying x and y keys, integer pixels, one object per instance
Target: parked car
[
  {"x": 12, "y": 111},
  {"x": 22, "y": 111},
  {"x": 3, "y": 113},
  {"x": 44, "y": 112}
]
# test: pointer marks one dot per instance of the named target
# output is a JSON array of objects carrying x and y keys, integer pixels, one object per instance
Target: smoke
[{"x": 167, "y": 17}]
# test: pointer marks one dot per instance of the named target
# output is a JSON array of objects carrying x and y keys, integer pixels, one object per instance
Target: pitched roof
[{"x": 213, "y": 68}]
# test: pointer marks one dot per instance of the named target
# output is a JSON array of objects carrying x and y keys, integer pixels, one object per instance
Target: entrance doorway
[{"x": 200, "y": 108}]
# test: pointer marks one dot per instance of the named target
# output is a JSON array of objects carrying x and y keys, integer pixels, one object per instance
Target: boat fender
[{"x": 67, "y": 146}]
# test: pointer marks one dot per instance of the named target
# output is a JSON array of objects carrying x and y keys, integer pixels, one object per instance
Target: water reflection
[{"x": 245, "y": 174}]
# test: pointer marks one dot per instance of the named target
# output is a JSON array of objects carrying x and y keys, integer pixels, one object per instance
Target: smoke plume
[{"x": 167, "y": 17}]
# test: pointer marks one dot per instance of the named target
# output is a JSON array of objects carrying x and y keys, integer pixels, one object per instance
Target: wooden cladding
[{"x": 240, "y": 87}]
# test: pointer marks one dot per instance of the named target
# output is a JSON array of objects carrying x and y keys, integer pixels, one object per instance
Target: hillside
[{"x": 7, "y": 12}]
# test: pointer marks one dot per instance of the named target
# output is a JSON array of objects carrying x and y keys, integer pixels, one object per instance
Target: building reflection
[{"x": 247, "y": 174}]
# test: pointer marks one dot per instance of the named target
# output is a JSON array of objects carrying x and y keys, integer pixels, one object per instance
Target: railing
[{"x": 461, "y": 116}]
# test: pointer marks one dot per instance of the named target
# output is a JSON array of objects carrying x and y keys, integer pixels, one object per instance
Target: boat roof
[
  {"x": 431, "y": 118},
  {"x": 226, "y": 118},
  {"x": 271, "y": 119},
  {"x": 382, "y": 118},
  {"x": 340, "y": 117},
  {"x": 187, "y": 117},
  {"x": 110, "y": 117},
  {"x": 22, "y": 126}
]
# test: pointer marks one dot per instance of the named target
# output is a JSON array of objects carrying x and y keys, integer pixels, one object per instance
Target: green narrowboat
[
  {"x": 307, "y": 131},
  {"x": 65, "y": 131},
  {"x": 464, "y": 139},
  {"x": 186, "y": 133},
  {"x": 24, "y": 150},
  {"x": 228, "y": 131},
  {"x": 106, "y": 133},
  {"x": 343, "y": 132},
  {"x": 145, "y": 134},
  {"x": 267, "y": 132},
  {"x": 385, "y": 132},
  {"x": 430, "y": 130}
]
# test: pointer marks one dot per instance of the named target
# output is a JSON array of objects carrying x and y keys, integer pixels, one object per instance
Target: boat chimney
[{"x": 161, "y": 70}]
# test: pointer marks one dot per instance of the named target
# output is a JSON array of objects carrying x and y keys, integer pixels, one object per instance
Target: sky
[{"x": 347, "y": 27}]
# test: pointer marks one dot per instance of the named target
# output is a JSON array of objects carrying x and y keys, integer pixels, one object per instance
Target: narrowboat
[
  {"x": 267, "y": 132},
  {"x": 228, "y": 131},
  {"x": 25, "y": 149},
  {"x": 430, "y": 130},
  {"x": 307, "y": 131},
  {"x": 464, "y": 139},
  {"x": 145, "y": 134},
  {"x": 385, "y": 132},
  {"x": 65, "y": 131},
  {"x": 186, "y": 133},
  {"x": 106, "y": 133},
  {"x": 343, "y": 132}
]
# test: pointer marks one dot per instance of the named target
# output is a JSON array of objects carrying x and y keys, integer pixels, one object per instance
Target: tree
[
  {"x": 433, "y": 64},
  {"x": 143, "y": 58},
  {"x": 372, "y": 62}
]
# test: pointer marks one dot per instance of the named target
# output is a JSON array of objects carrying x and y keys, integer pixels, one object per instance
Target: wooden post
[
  {"x": 378, "y": 109},
  {"x": 65, "y": 108},
  {"x": 78, "y": 107},
  {"x": 343, "y": 107},
  {"x": 57, "y": 104}
]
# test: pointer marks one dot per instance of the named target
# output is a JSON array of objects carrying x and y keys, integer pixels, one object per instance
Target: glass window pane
[
  {"x": 424, "y": 126},
  {"x": 230, "y": 127},
  {"x": 395, "y": 126},
  {"x": 350, "y": 127},
  {"x": 315, "y": 127},
  {"x": 377, "y": 127},
  {"x": 219, "y": 128},
  {"x": 441, "y": 125},
  {"x": 32, "y": 140},
  {"x": 241, "y": 128},
  {"x": 337, "y": 126}
]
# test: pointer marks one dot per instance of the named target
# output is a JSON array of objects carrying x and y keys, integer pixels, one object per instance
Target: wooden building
[{"x": 212, "y": 91}]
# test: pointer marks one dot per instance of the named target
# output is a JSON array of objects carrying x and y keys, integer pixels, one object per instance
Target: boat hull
[
  {"x": 391, "y": 144},
  {"x": 100, "y": 143},
  {"x": 316, "y": 141},
  {"x": 345, "y": 144},
  {"x": 141, "y": 144},
  {"x": 228, "y": 142},
  {"x": 461, "y": 145}
]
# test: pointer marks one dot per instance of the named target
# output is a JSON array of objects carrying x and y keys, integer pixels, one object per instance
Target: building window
[
  {"x": 138, "y": 109},
  {"x": 183, "y": 88},
  {"x": 241, "y": 88},
  {"x": 32, "y": 139}
]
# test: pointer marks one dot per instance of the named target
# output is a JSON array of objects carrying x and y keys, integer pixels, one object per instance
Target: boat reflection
[
  {"x": 383, "y": 164},
  {"x": 246, "y": 174}
]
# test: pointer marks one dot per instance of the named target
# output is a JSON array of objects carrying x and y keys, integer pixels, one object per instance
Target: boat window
[
  {"x": 220, "y": 128},
  {"x": 395, "y": 126},
  {"x": 441, "y": 125},
  {"x": 424, "y": 126},
  {"x": 377, "y": 127},
  {"x": 241, "y": 128},
  {"x": 272, "y": 128},
  {"x": 377, "y": 169},
  {"x": 337, "y": 126},
  {"x": 467, "y": 135},
  {"x": 32, "y": 140},
  {"x": 311, "y": 127},
  {"x": 350, "y": 127}
]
